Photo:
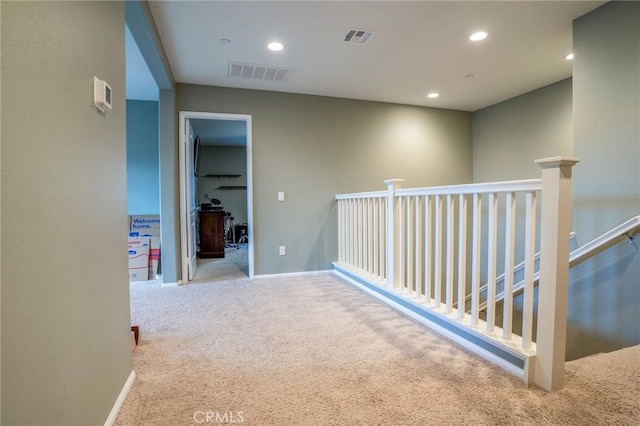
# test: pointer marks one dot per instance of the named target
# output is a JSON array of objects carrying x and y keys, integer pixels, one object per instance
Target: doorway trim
[{"x": 185, "y": 180}]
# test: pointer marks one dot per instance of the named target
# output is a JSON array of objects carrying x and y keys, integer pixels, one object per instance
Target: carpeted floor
[
  {"x": 314, "y": 350},
  {"x": 234, "y": 264}
]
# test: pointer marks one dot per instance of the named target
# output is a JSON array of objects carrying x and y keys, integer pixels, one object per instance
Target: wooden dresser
[{"x": 211, "y": 234}]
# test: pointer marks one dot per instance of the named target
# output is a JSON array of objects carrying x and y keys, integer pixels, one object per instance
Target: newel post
[
  {"x": 554, "y": 271},
  {"x": 393, "y": 232}
]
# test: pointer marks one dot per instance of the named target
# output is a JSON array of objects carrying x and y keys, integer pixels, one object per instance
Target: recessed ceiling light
[
  {"x": 275, "y": 46},
  {"x": 225, "y": 41},
  {"x": 569, "y": 56},
  {"x": 480, "y": 35},
  {"x": 433, "y": 95}
]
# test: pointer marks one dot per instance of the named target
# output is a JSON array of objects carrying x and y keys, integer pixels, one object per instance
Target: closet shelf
[
  {"x": 232, "y": 187},
  {"x": 223, "y": 176}
]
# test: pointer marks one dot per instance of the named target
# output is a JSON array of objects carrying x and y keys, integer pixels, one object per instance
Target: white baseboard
[
  {"x": 169, "y": 285},
  {"x": 118, "y": 404},
  {"x": 294, "y": 274}
]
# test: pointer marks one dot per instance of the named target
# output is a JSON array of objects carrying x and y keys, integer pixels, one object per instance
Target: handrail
[
  {"x": 475, "y": 188},
  {"x": 605, "y": 240},
  {"x": 372, "y": 194},
  {"x": 608, "y": 239},
  {"x": 472, "y": 188}
]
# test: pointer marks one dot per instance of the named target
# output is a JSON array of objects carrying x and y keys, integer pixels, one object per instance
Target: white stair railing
[
  {"x": 622, "y": 232},
  {"x": 416, "y": 243}
]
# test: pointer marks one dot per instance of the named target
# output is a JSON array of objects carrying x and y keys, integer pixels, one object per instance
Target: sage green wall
[
  {"x": 605, "y": 306},
  {"x": 508, "y": 137},
  {"x": 169, "y": 190},
  {"x": 66, "y": 350},
  {"x": 312, "y": 147},
  {"x": 224, "y": 160},
  {"x": 606, "y": 106}
]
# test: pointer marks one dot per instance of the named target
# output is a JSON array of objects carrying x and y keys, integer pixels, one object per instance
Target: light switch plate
[
  {"x": 281, "y": 196},
  {"x": 283, "y": 250}
]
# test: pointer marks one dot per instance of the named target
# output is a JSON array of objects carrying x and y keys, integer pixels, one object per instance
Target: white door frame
[{"x": 185, "y": 180}]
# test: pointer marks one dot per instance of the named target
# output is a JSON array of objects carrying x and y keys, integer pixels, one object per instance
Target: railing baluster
[
  {"x": 374, "y": 235},
  {"x": 339, "y": 208},
  {"x": 509, "y": 260},
  {"x": 449, "y": 256},
  {"x": 348, "y": 229},
  {"x": 476, "y": 257},
  {"x": 492, "y": 251},
  {"x": 409, "y": 246},
  {"x": 401, "y": 255},
  {"x": 529, "y": 259},
  {"x": 383, "y": 230},
  {"x": 356, "y": 234},
  {"x": 352, "y": 232},
  {"x": 437, "y": 279},
  {"x": 428, "y": 252},
  {"x": 370, "y": 244},
  {"x": 462, "y": 254},
  {"x": 418, "y": 253},
  {"x": 345, "y": 230},
  {"x": 362, "y": 236}
]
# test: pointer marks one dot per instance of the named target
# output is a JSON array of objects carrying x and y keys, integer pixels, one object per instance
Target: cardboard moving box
[
  {"x": 139, "y": 258},
  {"x": 145, "y": 225}
]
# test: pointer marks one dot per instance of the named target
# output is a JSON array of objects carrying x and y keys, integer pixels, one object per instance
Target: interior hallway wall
[
  {"x": 508, "y": 137},
  {"x": 66, "y": 344},
  {"x": 143, "y": 163},
  {"x": 231, "y": 160},
  {"x": 313, "y": 147},
  {"x": 605, "y": 304}
]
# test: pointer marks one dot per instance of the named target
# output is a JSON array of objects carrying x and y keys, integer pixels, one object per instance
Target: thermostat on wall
[{"x": 101, "y": 94}]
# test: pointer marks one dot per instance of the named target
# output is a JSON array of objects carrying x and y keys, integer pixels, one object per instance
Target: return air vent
[
  {"x": 259, "y": 72},
  {"x": 357, "y": 36}
]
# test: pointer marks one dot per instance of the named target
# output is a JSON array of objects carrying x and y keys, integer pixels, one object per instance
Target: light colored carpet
[
  {"x": 314, "y": 350},
  {"x": 234, "y": 264}
]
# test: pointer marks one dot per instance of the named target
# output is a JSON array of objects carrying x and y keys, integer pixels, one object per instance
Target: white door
[{"x": 189, "y": 200}]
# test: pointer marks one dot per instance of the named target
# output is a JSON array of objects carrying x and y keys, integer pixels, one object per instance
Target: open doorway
[
  {"x": 215, "y": 196},
  {"x": 143, "y": 165}
]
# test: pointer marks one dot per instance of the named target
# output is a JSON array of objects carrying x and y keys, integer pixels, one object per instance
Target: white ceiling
[{"x": 417, "y": 47}]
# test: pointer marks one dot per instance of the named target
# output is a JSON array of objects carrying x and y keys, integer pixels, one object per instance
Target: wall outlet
[
  {"x": 281, "y": 196},
  {"x": 283, "y": 250}
]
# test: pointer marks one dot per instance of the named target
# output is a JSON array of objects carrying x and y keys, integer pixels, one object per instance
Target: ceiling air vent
[
  {"x": 259, "y": 72},
  {"x": 357, "y": 36}
]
